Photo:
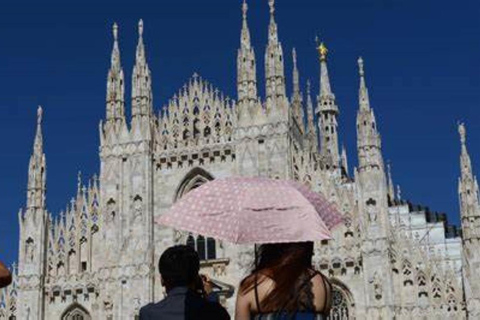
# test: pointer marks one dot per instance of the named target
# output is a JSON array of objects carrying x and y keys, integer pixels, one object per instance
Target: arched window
[
  {"x": 76, "y": 312},
  {"x": 206, "y": 248},
  {"x": 342, "y": 307},
  {"x": 211, "y": 249}
]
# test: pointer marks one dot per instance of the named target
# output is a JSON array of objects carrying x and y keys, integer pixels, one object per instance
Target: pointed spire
[
  {"x": 273, "y": 30},
  {"x": 245, "y": 39},
  {"x": 466, "y": 164},
  {"x": 115, "y": 84},
  {"x": 391, "y": 187},
  {"x": 297, "y": 107},
  {"x": 369, "y": 143},
  {"x": 140, "y": 55},
  {"x": 115, "y": 62},
  {"x": 246, "y": 69},
  {"x": 311, "y": 130},
  {"x": 38, "y": 144},
  {"x": 142, "y": 105},
  {"x": 296, "y": 76},
  {"x": 37, "y": 168},
  {"x": 310, "y": 111},
  {"x": 325, "y": 88},
  {"x": 274, "y": 66},
  {"x": 363, "y": 92},
  {"x": 327, "y": 112}
]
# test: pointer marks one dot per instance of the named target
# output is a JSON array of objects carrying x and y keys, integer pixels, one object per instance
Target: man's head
[{"x": 179, "y": 267}]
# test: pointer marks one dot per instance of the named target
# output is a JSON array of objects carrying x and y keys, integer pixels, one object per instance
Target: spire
[
  {"x": 38, "y": 144},
  {"x": 141, "y": 83},
  {"x": 311, "y": 131},
  {"x": 327, "y": 113},
  {"x": 140, "y": 56},
  {"x": 245, "y": 39},
  {"x": 115, "y": 61},
  {"x": 465, "y": 157},
  {"x": 325, "y": 88},
  {"x": 468, "y": 187},
  {"x": 246, "y": 68},
  {"x": 274, "y": 66},
  {"x": 310, "y": 116},
  {"x": 391, "y": 187},
  {"x": 368, "y": 139},
  {"x": 296, "y": 76},
  {"x": 470, "y": 215},
  {"x": 297, "y": 96},
  {"x": 115, "y": 83},
  {"x": 363, "y": 92},
  {"x": 37, "y": 168},
  {"x": 273, "y": 29}
]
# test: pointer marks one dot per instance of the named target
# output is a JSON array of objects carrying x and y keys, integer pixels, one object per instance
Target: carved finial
[
  {"x": 140, "y": 28},
  {"x": 39, "y": 115},
  {"x": 115, "y": 31},
  {"x": 463, "y": 133},
  {"x": 294, "y": 55},
  {"x": 271, "y": 3},
  {"x": 361, "y": 67}
]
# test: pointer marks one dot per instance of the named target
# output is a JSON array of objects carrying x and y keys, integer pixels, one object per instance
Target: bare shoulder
[
  {"x": 264, "y": 287},
  {"x": 322, "y": 292}
]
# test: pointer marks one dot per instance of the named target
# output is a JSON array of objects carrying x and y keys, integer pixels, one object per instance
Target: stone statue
[
  {"x": 30, "y": 250},
  {"x": 372, "y": 213}
]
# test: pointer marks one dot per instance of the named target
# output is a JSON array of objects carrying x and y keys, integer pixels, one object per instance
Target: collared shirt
[{"x": 183, "y": 304}]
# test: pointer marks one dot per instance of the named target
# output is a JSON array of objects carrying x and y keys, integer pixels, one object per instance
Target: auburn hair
[{"x": 284, "y": 263}]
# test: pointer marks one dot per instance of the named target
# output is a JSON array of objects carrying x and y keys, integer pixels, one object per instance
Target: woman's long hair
[{"x": 284, "y": 263}]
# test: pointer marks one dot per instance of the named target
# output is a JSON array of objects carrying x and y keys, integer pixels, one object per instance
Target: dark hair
[
  {"x": 179, "y": 266},
  {"x": 284, "y": 263}
]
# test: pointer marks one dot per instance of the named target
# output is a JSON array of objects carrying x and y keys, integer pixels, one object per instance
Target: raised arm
[{"x": 5, "y": 276}]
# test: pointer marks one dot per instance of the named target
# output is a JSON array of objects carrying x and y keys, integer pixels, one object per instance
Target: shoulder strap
[{"x": 255, "y": 286}]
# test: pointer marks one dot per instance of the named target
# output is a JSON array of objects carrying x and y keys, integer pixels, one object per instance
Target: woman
[{"x": 284, "y": 285}]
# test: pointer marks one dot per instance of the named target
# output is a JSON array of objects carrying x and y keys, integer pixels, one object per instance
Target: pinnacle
[
  {"x": 463, "y": 133},
  {"x": 140, "y": 28},
  {"x": 115, "y": 31},
  {"x": 39, "y": 115}
]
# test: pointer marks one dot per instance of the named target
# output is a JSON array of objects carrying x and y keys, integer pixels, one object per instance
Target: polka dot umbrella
[{"x": 254, "y": 211}]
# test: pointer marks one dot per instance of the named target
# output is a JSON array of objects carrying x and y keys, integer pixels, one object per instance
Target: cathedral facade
[{"x": 97, "y": 259}]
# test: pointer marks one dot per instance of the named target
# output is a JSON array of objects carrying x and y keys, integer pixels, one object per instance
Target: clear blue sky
[{"x": 422, "y": 60}]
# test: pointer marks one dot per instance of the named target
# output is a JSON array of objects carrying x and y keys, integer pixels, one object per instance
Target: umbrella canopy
[{"x": 254, "y": 210}]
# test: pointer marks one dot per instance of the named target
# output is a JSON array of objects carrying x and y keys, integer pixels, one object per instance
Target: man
[
  {"x": 179, "y": 267},
  {"x": 5, "y": 276}
]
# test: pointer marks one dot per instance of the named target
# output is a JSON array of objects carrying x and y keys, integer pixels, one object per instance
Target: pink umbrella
[{"x": 254, "y": 210}]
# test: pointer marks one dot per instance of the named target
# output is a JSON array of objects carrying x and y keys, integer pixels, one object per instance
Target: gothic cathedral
[{"x": 97, "y": 259}]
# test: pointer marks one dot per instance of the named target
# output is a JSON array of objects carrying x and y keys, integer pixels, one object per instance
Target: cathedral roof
[{"x": 198, "y": 114}]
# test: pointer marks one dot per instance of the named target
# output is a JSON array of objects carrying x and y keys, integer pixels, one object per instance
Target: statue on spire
[
  {"x": 39, "y": 115},
  {"x": 271, "y": 3},
  {"x": 140, "y": 28},
  {"x": 115, "y": 31},
  {"x": 462, "y": 132},
  {"x": 245, "y": 10}
]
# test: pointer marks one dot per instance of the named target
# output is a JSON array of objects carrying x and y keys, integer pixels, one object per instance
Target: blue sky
[{"x": 421, "y": 57}]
